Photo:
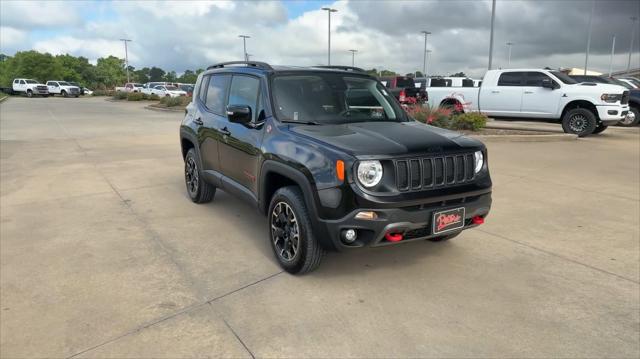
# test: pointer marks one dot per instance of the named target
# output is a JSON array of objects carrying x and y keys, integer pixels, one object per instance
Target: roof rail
[
  {"x": 338, "y": 67},
  {"x": 257, "y": 64}
]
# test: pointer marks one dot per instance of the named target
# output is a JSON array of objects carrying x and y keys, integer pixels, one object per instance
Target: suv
[
  {"x": 63, "y": 88},
  {"x": 331, "y": 158},
  {"x": 29, "y": 87}
]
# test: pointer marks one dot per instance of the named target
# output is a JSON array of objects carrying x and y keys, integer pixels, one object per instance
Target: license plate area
[{"x": 449, "y": 220}]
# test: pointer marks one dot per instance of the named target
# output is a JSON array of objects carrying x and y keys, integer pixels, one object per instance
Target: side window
[
  {"x": 22, "y": 82},
  {"x": 535, "y": 79},
  {"x": 16, "y": 81},
  {"x": 217, "y": 93},
  {"x": 244, "y": 91},
  {"x": 202, "y": 90},
  {"x": 511, "y": 79}
]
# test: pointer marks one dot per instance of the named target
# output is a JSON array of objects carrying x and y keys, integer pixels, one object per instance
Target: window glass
[
  {"x": 244, "y": 91},
  {"x": 564, "y": 77},
  {"x": 22, "y": 82},
  {"x": 511, "y": 79},
  {"x": 217, "y": 93},
  {"x": 404, "y": 82},
  {"x": 202, "y": 91},
  {"x": 535, "y": 79}
]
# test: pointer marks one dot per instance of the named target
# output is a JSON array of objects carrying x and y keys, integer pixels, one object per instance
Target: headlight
[
  {"x": 369, "y": 173},
  {"x": 478, "y": 160},
  {"x": 610, "y": 97}
]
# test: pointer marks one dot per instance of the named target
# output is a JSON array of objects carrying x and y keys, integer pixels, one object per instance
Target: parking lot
[{"x": 103, "y": 255}]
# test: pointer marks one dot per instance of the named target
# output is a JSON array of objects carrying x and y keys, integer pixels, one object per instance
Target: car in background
[
  {"x": 168, "y": 91},
  {"x": 87, "y": 92},
  {"x": 149, "y": 86},
  {"x": 404, "y": 89},
  {"x": 582, "y": 108},
  {"x": 78, "y": 86},
  {"x": 600, "y": 80},
  {"x": 188, "y": 88},
  {"x": 130, "y": 87},
  {"x": 63, "y": 88},
  {"x": 631, "y": 81},
  {"x": 29, "y": 87}
]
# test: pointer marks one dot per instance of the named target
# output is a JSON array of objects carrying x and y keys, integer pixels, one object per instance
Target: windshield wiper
[{"x": 301, "y": 122}]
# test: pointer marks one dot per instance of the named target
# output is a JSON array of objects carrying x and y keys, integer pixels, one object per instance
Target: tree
[
  {"x": 142, "y": 75},
  {"x": 156, "y": 74},
  {"x": 170, "y": 76},
  {"x": 387, "y": 73},
  {"x": 419, "y": 74},
  {"x": 459, "y": 74},
  {"x": 188, "y": 77},
  {"x": 110, "y": 71}
]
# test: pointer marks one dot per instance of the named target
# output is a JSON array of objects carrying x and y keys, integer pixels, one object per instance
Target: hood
[
  {"x": 388, "y": 138},
  {"x": 598, "y": 87}
]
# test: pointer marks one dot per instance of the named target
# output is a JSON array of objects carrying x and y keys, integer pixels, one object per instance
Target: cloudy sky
[{"x": 188, "y": 35}]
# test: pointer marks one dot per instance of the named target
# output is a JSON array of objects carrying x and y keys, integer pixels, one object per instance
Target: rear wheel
[
  {"x": 198, "y": 189},
  {"x": 290, "y": 232},
  {"x": 631, "y": 120},
  {"x": 579, "y": 121}
]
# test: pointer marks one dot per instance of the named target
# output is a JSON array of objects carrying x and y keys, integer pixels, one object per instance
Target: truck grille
[
  {"x": 625, "y": 98},
  {"x": 41, "y": 88},
  {"x": 424, "y": 173},
  {"x": 74, "y": 90}
]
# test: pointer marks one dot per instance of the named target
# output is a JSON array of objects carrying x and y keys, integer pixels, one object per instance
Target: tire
[
  {"x": 444, "y": 238},
  {"x": 198, "y": 189},
  {"x": 45, "y": 96},
  {"x": 287, "y": 216},
  {"x": 64, "y": 93},
  {"x": 599, "y": 129},
  {"x": 579, "y": 121},
  {"x": 29, "y": 93},
  {"x": 636, "y": 112},
  {"x": 76, "y": 96}
]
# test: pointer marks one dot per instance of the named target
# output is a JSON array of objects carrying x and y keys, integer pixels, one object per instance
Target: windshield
[
  {"x": 564, "y": 77},
  {"x": 332, "y": 98},
  {"x": 621, "y": 83},
  {"x": 62, "y": 83},
  {"x": 404, "y": 82},
  {"x": 31, "y": 81}
]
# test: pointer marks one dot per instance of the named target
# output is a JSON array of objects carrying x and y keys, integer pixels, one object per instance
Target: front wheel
[
  {"x": 29, "y": 93},
  {"x": 599, "y": 129},
  {"x": 64, "y": 94},
  {"x": 198, "y": 189},
  {"x": 290, "y": 232},
  {"x": 579, "y": 121},
  {"x": 631, "y": 120}
]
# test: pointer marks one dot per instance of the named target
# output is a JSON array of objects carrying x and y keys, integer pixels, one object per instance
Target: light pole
[
  {"x": 329, "y": 11},
  {"x": 126, "y": 56},
  {"x": 353, "y": 57},
  {"x": 586, "y": 58},
  {"x": 428, "y": 58},
  {"x": 244, "y": 45},
  {"x": 509, "y": 44},
  {"x": 613, "y": 49},
  {"x": 493, "y": 20},
  {"x": 424, "y": 56},
  {"x": 633, "y": 32}
]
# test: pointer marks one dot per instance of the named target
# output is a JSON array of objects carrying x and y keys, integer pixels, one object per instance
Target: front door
[
  {"x": 538, "y": 101},
  {"x": 211, "y": 115},
  {"x": 239, "y": 146}
]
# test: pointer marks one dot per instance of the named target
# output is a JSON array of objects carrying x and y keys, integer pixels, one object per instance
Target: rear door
[
  {"x": 538, "y": 101},
  {"x": 239, "y": 144},
  {"x": 504, "y": 98},
  {"x": 212, "y": 116}
]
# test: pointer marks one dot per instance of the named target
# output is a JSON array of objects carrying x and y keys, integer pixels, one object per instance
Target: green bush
[
  {"x": 104, "y": 93},
  {"x": 120, "y": 95},
  {"x": 175, "y": 101},
  {"x": 472, "y": 121},
  {"x": 136, "y": 96},
  {"x": 153, "y": 97}
]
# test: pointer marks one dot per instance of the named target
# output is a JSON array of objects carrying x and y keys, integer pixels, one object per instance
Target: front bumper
[
  {"x": 612, "y": 114},
  {"x": 414, "y": 222}
]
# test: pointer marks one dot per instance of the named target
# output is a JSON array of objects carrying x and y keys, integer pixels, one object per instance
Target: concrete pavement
[{"x": 103, "y": 255}]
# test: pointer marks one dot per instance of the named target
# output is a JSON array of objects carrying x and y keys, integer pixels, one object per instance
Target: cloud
[
  {"x": 30, "y": 15},
  {"x": 89, "y": 48},
  {"x": 10, "y": 37}
]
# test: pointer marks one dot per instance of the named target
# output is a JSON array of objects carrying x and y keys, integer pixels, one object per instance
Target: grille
[
  {"x": 625, "y": 98},
  {"x": 416, "y": 174},
  {"x": 41, "y": 88},
  {"x": 74, "y": 90}
]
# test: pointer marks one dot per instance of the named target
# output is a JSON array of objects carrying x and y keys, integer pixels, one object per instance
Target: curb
[
  {"x": 526, "y": 138},
  {"x": 4, "y": 99},
  {"x": 163, "y": 109}
]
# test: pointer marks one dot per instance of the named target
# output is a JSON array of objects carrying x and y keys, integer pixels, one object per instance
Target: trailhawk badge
[{"x": 448, "y": 220}]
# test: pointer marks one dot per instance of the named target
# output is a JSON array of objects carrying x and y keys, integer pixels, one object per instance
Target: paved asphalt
[{"x": 103, "y": 255}]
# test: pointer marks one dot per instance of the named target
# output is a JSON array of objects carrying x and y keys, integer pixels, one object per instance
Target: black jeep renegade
[{"x": 331, "y": 158}]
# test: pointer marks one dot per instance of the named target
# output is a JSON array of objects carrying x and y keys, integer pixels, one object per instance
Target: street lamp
[
  {"x": 428, "y": 58},
  {"x": 353, "y": 57},
  {"x": 509, "y": 44},
  {"x": 613, "y": 49},
  {"x": 586, "y": 58},
  {"x": 244, "y": 45},
  {"x": 126, "y": 56},
  {"x": 424, "y": 56},
  {"x": 493, "y": 20},
  {"x": 329, "y": 11},
  {"x": 633, "y": 32}
]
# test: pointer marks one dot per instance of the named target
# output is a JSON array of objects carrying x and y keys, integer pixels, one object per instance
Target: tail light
[{"x": 403, "y": 96}]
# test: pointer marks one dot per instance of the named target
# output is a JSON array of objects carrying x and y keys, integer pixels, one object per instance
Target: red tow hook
[
  {"x": 393, "y": 237},
  {"x": 477, "y": 220}
]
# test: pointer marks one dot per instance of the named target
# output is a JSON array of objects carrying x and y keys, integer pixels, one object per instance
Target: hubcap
[
  {"x": 191, "y": 175},
  {"x": 285, "y": 232},
  {"x": 578, "y": 123},
  {"x": 629, "y": 118}
]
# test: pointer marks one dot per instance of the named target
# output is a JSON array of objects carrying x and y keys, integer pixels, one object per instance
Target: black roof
[{"x": 257, "y": 65}]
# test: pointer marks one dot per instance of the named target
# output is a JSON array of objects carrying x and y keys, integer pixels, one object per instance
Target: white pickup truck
[
  {"x": 29, "y": 87},
  {"x": 583, "y": 108},
  {"x": 57, "y": 87}
]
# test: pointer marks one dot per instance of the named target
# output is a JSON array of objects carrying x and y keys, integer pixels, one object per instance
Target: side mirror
[
  {"x": 548, "y": 84},
  {"x": 239, "y": 114}
]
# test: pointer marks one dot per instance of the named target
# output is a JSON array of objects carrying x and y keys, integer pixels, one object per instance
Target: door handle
[
  {"x": 527, "y": 92},
  {"x": 224, "y": 131},
  {"x": 495, "y": 91},
  {"x": 198, "y": 121}
]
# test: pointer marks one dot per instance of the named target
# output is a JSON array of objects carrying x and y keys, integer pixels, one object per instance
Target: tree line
[{"x": 107, "y": 73}]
